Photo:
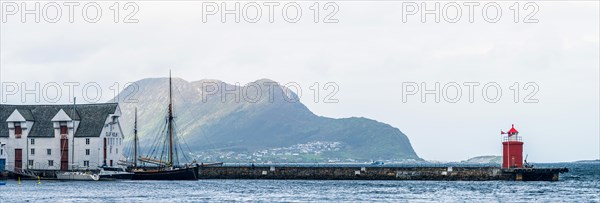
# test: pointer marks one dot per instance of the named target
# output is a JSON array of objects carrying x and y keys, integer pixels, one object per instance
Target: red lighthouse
[{"x": 512, "y": 149}]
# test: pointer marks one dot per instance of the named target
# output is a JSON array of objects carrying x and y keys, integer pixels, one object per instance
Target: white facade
[{"x": 44, "y": 153}]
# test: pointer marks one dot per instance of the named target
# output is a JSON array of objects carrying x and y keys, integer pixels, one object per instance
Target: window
[
  {"x": 86, "y": 163},
  {"x": 50, "y": 163},
  {"x": 87, "y": 141},
  {"x": 49, "y": 151},
  {"x": 117, "y": 150},
  {"x": 32, "y": 151},
  {"x": 18, "y": 130},
  {"x": 63, "y": 128},
  {"x": 111, "y": 163},
  {"x": 87, "y": 151},
  {"x": 32, "y": 142},
  {"x": 30, "y": 162}
]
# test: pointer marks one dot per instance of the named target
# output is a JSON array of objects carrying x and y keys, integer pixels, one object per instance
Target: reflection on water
[{"x": 582, "y": 184}]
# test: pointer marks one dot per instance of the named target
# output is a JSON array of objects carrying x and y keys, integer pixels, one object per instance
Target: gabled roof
[
  {"x": 61, "y": 116},
  {"x": 91, "y": 117},
  {"x": 15, "y": 116},
  {"x": 26, "y": 114}
]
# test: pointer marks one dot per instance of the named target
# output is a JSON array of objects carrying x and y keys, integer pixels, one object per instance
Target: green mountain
[{"x": 258, "y": 122}]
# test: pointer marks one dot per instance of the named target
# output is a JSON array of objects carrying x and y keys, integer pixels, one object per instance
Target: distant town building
[{"x": 61, "y": 137}]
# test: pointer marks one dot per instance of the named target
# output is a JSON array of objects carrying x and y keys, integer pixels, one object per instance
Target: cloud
[{"x": 369, "y": 53}]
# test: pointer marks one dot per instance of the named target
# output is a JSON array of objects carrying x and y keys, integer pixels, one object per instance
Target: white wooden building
[{"x": 61, "y": 137}]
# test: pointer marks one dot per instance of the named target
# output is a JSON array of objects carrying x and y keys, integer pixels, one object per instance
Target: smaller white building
[{"x": 61, "y": 137}]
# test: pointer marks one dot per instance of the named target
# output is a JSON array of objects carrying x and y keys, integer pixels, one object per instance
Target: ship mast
[
  {"x": 170, "y": 122},
  {"x": 135, "y": 141}
]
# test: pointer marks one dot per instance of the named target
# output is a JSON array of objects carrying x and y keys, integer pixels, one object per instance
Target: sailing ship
[
  {"x": 169, "y": 169},
  {"x": 132, "y": 165}
]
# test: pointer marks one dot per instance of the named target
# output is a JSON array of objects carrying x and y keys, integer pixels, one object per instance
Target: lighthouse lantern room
[{"x": 512, "y": 149}]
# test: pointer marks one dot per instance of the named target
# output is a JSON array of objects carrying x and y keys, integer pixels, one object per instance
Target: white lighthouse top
[
  {"x": 512, "y": 131},
  {"x": 512, "y": 134}
]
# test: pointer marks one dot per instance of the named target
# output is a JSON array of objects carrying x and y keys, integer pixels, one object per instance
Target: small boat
[
  {"x": 2, "y": 183},
  {"x": 77, "y": 175},
  {"x": 108, "y": 173}
]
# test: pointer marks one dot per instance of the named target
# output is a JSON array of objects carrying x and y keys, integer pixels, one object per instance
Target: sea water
[{"x": 581, "y": 184}]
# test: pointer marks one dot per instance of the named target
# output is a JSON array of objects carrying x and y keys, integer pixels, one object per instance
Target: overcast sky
[{"x": 369, "y": 54}]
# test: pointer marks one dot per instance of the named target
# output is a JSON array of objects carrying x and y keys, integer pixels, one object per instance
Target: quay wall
[
  {"x": 440, "y": 173},
  {"x": 355, "y": 173}
]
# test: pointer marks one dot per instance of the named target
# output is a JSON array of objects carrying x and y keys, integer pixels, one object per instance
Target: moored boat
[
  {"x": 78, "y": 175},
  {"x": 108, "y": 173},
  {"x": 188, "y": 173},
  {"x": 154, "y": 168}
]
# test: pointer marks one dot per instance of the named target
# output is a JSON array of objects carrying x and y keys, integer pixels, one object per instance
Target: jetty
[
  {"x": 513, "y": 168},
  {"x": 377, "y": 172},
  {"x": 433, "y": 172}
]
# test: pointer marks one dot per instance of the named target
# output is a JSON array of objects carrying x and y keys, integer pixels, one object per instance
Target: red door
[
  {"x": 18, "y": 159},
  {"x": 104, "y": 159},
  {"x": 64, "y": 154}
]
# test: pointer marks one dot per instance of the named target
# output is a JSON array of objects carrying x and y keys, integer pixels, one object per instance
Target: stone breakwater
[{"x": 379, "y": 173}]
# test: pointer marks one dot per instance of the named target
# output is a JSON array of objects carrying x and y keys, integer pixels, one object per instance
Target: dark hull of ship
[
  {"x": 116, "y": 176},
  {"x": 190, "y": 173}
]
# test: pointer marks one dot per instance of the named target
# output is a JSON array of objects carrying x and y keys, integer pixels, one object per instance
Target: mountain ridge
[{"x": 240, "y": 125}]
